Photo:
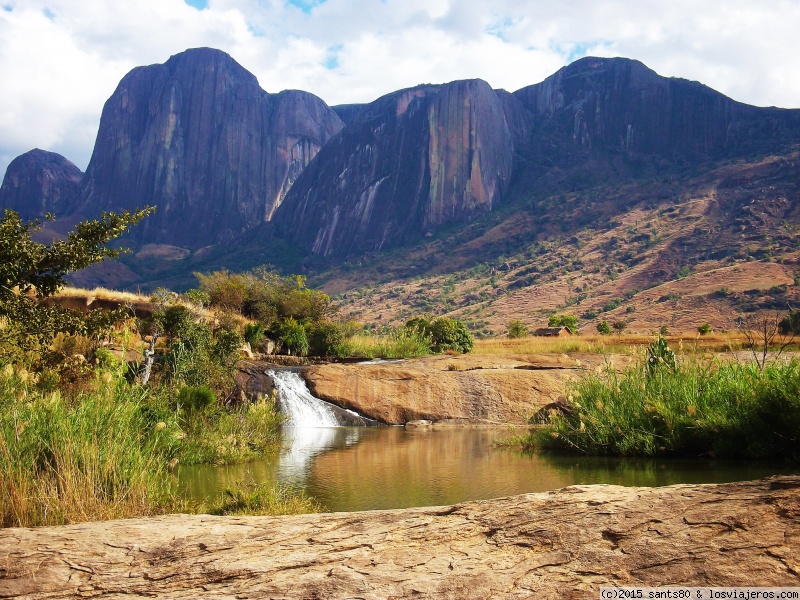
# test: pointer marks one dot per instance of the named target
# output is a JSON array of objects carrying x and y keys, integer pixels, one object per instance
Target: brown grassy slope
[{"x": 665, "y": 252}]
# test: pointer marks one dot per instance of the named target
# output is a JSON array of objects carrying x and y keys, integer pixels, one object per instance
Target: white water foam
[{"x": 296, "y": 402}]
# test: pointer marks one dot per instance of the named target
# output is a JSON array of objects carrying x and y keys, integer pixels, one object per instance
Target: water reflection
[
  {"x": 391, "y": 467},
  {"x": 301, "y": 445}
]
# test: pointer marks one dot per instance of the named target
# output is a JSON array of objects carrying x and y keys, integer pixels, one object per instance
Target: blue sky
[{"x": 60, "y": 59}]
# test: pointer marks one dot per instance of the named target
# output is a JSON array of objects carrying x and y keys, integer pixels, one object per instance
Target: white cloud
[{"x": 60, "y": 59}]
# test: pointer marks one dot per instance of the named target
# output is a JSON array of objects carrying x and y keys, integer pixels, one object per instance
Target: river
[{"x": 365, "y": 468}]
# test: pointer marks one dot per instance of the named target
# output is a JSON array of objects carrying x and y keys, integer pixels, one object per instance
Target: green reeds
[
  {"x": 249, "y": 498},
  {"x": 106, "y": 452},
  {"x": 67, "y": 460},
  {"x": 697, "y": 408}
]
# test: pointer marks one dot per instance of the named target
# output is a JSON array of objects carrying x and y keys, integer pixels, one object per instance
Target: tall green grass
[
  {"x": 106, "y": 451},
  {"x": 697, "y": 408},
  {"x": 65, "y": 460},
  {"x": 400, "y": 343}
]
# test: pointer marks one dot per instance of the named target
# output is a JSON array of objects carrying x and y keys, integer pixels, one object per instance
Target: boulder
[
  {"x": 562, "y": 544},
  {"x": 469, "y": 389}
]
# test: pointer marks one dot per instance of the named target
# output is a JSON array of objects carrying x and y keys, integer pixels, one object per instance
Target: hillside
[{"x": 713, "y": 246}]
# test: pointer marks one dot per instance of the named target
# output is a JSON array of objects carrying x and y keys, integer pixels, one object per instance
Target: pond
[{"x": 365, "y": 468}]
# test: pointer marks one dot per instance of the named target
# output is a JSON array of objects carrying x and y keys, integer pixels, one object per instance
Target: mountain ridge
[{"x": 443, "y": 178}]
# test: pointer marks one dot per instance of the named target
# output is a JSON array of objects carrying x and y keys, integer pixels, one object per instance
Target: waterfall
[{"x": 304, "y": 410}]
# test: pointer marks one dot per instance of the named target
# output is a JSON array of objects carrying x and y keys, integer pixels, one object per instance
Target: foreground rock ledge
[{"x": 562, "y": 544}]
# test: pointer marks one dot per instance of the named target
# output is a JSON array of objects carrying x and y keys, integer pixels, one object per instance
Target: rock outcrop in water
[
  {"x": 200, "y": 139},
  {"x": 563, "y": 544},
  {"x": 40, "y": 182},
  {"x": 460, "y": 389}
]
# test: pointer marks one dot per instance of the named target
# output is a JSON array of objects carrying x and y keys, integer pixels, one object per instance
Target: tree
[
  {"x": 766, "y": 331},
  {"x": 620, "y": 326},
  {"x": 704, "y": 329},
  {"x": 31, "y": 271},
  {"x": 604, "y": 328},
  {"x": 568, "y": 321},
  {"x": 444, "y": 333},
  {"x": 517, "y": 329}
]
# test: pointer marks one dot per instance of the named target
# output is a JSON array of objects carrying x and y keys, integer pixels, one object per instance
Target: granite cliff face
[
  {"x": 619, "y": 105},
  {"x": 200, "y": 139},
  {"x": 405, "y": 164},
  {"x": 39, "y": 182}
]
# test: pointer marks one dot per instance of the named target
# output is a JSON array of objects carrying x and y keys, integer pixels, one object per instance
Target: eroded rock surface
[
  {"x": 562, "y": 544},
  {"x": 472, "y": 389}
]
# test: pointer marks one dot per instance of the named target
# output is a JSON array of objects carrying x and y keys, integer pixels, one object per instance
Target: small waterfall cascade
[{"x": 302, "y": 409}]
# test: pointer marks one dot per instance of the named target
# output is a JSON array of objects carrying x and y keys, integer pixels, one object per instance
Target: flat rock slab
[
  {"x": 473, "y": 388},
  {"x": 562, "y": 544}
]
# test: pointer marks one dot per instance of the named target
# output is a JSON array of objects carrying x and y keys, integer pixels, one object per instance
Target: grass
[
  {"x": 699, "y": 408},
  {"x": 609, "y": 344},
  {"x": 106, "y": 451},
  {"x": 402, "y": 343},
  {"x": 250, "y": 498}
]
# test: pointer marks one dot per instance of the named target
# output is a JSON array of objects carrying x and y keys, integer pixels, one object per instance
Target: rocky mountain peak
[
  {"x": 40, "y": 182},
  {"x": 198, "y": 137}
]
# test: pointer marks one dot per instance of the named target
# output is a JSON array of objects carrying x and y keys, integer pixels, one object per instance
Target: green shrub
[
  {"x": 704, "y": 329},
  {"x": 604, "y": 328},
  {"x": 197, "y": 297},
  {"x": 253, "y": 334},
  {"x": 444, "y": 333},
  {"x": 326, "y": 338},
  {"x": 568, "y": 321},
  {"x": 173, "y": 321},
  {"x": 292, "y": 336},
  {"x": 659, "y": 357},
  {"x": 451, "y": 334},
  {"x": 227, "y": 346},
  {"x": 790, "y": 323},
  {"x": 516, "y": 329}
]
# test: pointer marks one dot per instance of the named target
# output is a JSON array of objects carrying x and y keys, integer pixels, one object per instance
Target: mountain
[
  {"x": 404, "y": 165},
  {"x": 421, "y": 158},
  {"x": 197, "y": 137},
  {"x": 40, "y": 182},
  {"x": 606, "y": 191},
  {"x": 618, "y": 105}
]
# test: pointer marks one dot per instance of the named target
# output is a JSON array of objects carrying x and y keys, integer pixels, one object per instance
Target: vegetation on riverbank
[
  {"x": 84, "y": 433},
  {"x": 109, "y": 449},
  {"x": 685, "y": 407}
]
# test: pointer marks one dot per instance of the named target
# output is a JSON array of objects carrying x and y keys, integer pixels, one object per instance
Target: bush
[
  {"x": 173, "y": 321},
  {"x": 790, "y": 323},
  {"x": 327, "y": 339},
  {"x": 704, "y": 329},
  {"x": 253, "y": 334},
  {"x": 451, "y": 334},
  {"x": 568, "y": 321},
  {"x": 197, "y": 298},
  {"x": 444, "y": 333},
  {"x": 516, "y": 329},
  {"x": 227, "y": 345},
  {"x": 604, "y": 328},
  {"x": 292, "y": 336}
]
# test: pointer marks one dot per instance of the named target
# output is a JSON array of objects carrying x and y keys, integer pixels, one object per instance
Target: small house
[{"x": 552, "y": 331}]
